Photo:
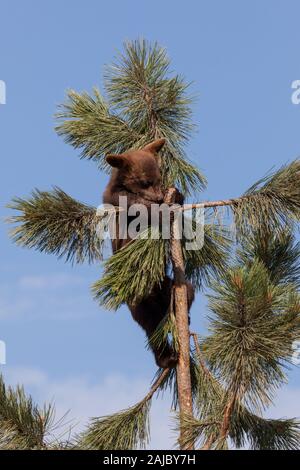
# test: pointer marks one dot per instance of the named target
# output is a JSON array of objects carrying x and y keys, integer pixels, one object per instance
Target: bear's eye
[{"x": 146, "y": 184}]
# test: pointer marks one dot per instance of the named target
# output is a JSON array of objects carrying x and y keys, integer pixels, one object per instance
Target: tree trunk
[{"x": 182, "y": 323}]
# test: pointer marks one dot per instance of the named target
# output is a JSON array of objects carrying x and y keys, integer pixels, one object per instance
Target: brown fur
[{"x": 136, "y": 175}]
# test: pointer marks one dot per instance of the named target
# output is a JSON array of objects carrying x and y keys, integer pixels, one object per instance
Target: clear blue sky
[{"x": 242, "y": 58}]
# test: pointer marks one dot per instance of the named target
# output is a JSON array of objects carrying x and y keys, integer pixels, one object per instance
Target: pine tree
[
  {"x": 224, "y": 381},
  {"x": 23, "y": 425}
]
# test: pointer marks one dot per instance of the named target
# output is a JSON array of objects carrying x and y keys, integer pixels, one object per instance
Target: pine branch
[
  {"x": 245, "y": 429},
  {"x": 132, "y": 272},
  {"x": 53, "y": 222},
  {"x": 278, "y": 253},
  {"x": 270, "y": 204},
  {"x": 85, "y": 122},
  {"x": 242, "y": 426},
  {"x": 125, "y": 430},
  {"x": 139, "y": 85},
  {"x": 200, "y": 357},
  {"x": 144, "y": 103},
  {"x": 250, "y": 324},
  {"x": 208, "y": 400},
  {"x": 264, "y": 434},
  {"x": 193, "y": 428},
  {"x": 227, "y": 414},
  {"x": 209, "y": 262},
  {"x": 22, "y": 424}
]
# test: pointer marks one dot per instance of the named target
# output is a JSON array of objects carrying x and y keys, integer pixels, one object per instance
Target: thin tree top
[{"x": 144, "y": 101}]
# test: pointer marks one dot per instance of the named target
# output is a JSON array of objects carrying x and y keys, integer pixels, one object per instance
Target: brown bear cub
[{"x": 136, "y": 175}]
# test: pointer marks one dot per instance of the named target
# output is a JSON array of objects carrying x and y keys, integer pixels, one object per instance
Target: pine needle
[
  {"x": 250, "y": 339},
  {"x": 133, "y": 271},
  {"x": 144, "y": 102},
  {"x": 22, "y": 424},
  {"x": 271, "y": 203},
  {"x": 125, "y": 430},
  {"x": 86, "y": 123},
  {"x": 53, "y": 222}
]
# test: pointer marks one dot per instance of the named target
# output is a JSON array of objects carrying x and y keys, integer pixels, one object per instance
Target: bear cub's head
[{"x": 138, "y": 172}]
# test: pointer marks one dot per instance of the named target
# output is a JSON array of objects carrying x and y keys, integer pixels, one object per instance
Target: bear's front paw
[
  {"x": 179, "y": 198},
  {"x": 166, "y": 361},
  {"x": 174, "y": 195}
]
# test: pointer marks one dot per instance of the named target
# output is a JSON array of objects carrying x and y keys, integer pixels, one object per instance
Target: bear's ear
[
  {"x": 116, "y": 161},
  {"x": 155, "y": 146}
]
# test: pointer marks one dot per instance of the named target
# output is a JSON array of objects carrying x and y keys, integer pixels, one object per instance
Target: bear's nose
[{"x": 155, "y": 195}]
